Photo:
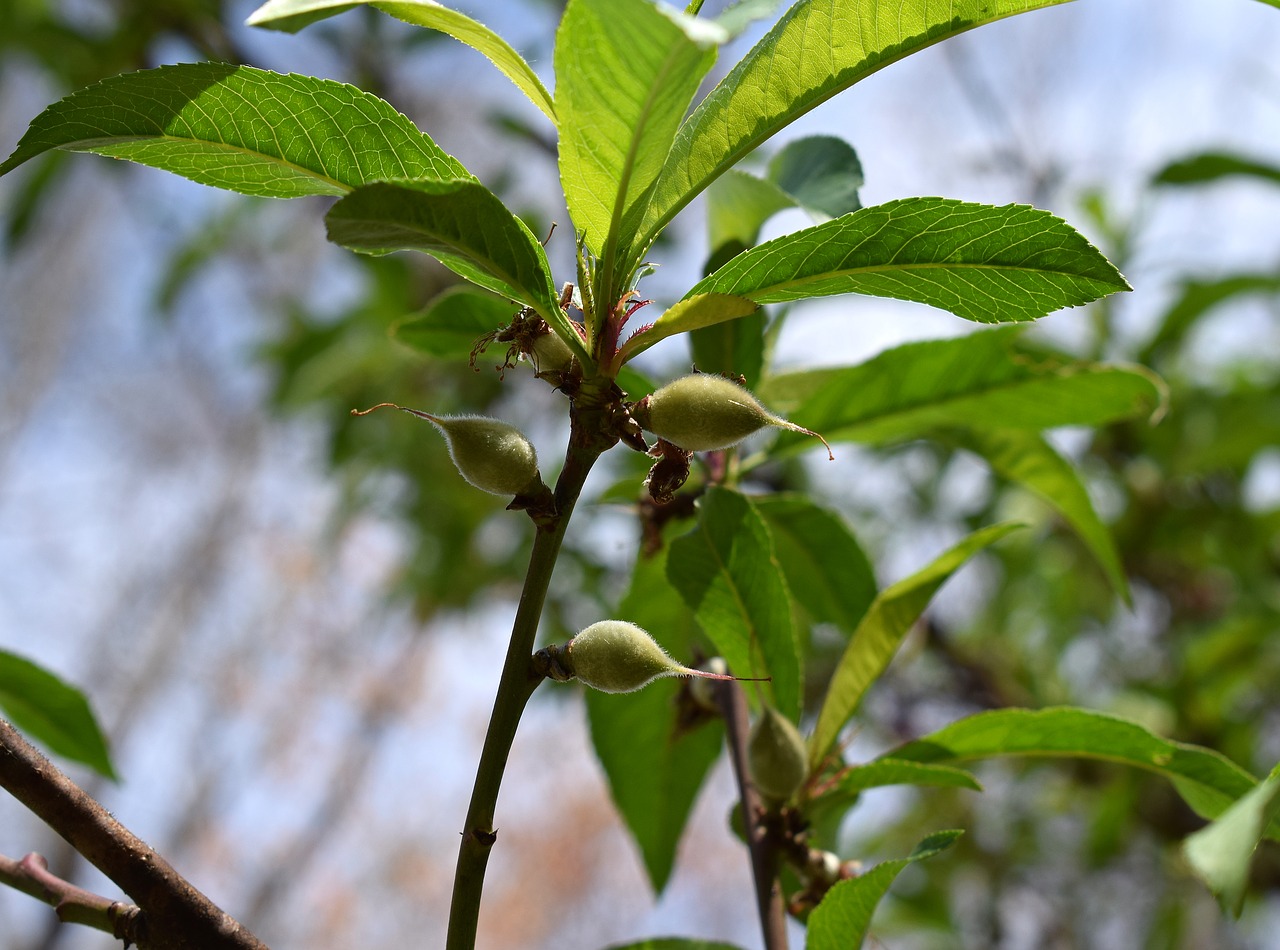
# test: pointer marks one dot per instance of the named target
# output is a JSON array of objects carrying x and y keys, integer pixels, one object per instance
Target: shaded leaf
[
  {"x": 982, "y": 263},
  {"x": 450, "y": 324},
  {"x": 821, "y": 173},
  {"x": 975, "y": 381},
  {"x": 293, "y": 15},
  {"x": 654, "y": 767},
  {"x": 827, "y": 573},
  {"x": 840, "y": 922},
  {"x": 52, "y": 713},
  {"x": 728, "y": 574},
  {"x": 1025, "y": 458},
  {"x": 738, "y": 205},
  {"x": 625, "y": 75},
  {"x": 1213, "y": 166},
  {"x": 243, "y": 129},
  {"x": 1198, "y": 298},
  {"x": 890, "y": 771},
  {"x": 795, "y": 67},
  {"x": 880, "y": 633},
  {"x": 464, "y": 226},
  {"x": 1208, "y": 781}
]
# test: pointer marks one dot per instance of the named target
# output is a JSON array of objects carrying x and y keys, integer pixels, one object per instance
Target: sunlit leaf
[
  {"x": 982, "y": 263},
  {"x": 975, "y": 381},
  {"x": 1208, "y": 781},
  {"x": 880, "y": 633},
  {"x": 243, "y": 129},
  {"x": 625, "y": 75},
  {"x": 817, "y": 49},
  {"x": 691, "y": 313},
  {"x": 293, "y": 15},
  {"x": 840, "y": 922},
  {"x": 1221, "y": 853},
  {"x": 52, "y": 713},
  {"x": 728, "y": 573}
]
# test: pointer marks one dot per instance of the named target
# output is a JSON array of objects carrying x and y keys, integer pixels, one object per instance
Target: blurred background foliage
[{"x": 300, "y": 657}]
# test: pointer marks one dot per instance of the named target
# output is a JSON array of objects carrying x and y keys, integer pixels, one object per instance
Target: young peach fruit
[
  {"x": 776, "y": 755},
  {"x": 490, "y": 454},
  {"x": 705, "y": 412}
]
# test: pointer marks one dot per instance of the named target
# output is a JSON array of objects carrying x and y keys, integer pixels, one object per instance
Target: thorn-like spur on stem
[{"x": 73, "y": 905}]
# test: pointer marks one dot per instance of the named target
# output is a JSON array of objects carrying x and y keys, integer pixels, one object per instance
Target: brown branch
[
  {"x": 73, "y": 905},
  {"x": 762, "y": 845},
  {"x": 174, "y": 915}
]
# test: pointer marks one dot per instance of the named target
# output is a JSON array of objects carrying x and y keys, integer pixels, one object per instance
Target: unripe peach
[
  {"x": 490, "y": 454},
  {"x": 777, "y": 756},
  {"x": 614, "y": 656},
  {"x": 705, "y": 412}
]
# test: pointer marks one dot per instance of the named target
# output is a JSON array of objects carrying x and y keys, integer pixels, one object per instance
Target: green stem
[{"x": 514, "y": 689}]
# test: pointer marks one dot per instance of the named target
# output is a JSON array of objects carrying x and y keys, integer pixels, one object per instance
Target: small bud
[
  {"x": 705, "y": 412},
  {"x": 777, "y": 756},
  {"x": 614, "y": 656},
  {"x": 550, "y": 354},
  {"x": 491, "y": 455}
]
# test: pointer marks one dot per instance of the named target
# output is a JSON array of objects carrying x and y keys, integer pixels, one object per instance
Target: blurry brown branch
[
  {"x": 764, "y": 853},
  {"x": 173, "y": 913},
  {"x": 74, "y": 905}
]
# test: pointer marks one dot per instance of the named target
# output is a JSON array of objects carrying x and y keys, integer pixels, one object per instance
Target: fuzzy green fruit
[
  {"x": 705, "y": 412},
  {"x": 776, "y": 755},
  {"x": 614, "y": 656},
  {"x": 490, "y": 454}
]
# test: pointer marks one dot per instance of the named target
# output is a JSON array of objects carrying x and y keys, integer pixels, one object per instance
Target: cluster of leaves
[{"x": 733, "y": 565}]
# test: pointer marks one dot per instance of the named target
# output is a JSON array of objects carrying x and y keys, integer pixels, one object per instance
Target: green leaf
[
  {"x": 876, "y": 639},
  {"x": 840, "y": 922},
  {"x": 826, "y": 570},
  {"x": 689, "y": 314},
  {"x": 292, "y": 15},
  {"x": 625, "y": 75},
  {"x": 1213, "y": 166},
  {"x": 1221, "y": 853},
  {"x": 883, "y": 772},
  {"x": 975, "y": 381},
  {"x": 821, "y": 173},
  {"x": 53, "y": 713},
  {"x": 1027, "y": 459},
  {"x": 738, "y": 205},
  {"x": 1198, "y": 298},
  {"x": 1208, "y": 781},
  {"x": 243, "y": 129},
  {"x": 816, "y": 50},
  {"x": 728, "y": 574},
  {"x": 464, "y": 226},
  {"x": 654, "y": 764},
  {"x": 982, "y": 263},
  {"x": 449, "y": 326}
]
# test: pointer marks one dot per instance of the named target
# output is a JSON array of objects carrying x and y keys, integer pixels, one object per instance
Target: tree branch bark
[{"x": 174, "y": 914}]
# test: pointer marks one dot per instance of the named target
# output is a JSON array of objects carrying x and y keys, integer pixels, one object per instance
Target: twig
[
  {"x": 518, "y": 681},
  {"x": 73, "y": 905},
  {"x": 763, "y": 848},
  {"x": 174, "y": 915}
]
